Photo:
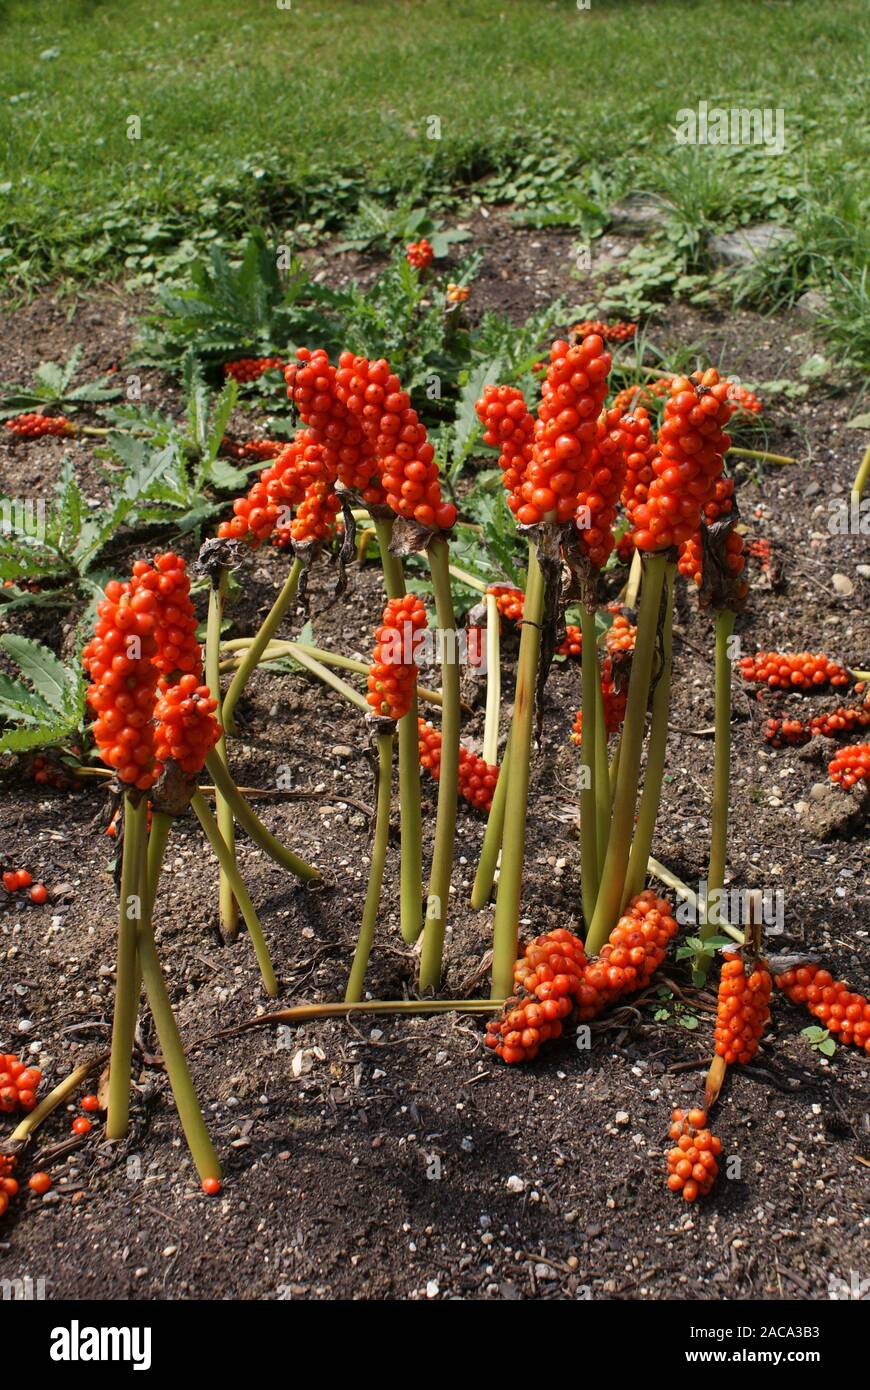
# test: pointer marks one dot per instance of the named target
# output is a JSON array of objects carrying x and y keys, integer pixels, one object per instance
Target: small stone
[
  {"x": 432, "y": 1289},
  {"x": 842, "y": 584},
  {"x": 515, "y": 1184},
  {"x": 748, "y": 244},
  {"x": 622, "y": 1117}
]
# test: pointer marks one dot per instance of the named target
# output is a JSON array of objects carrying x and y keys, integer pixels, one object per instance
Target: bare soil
[{"x": 384, "y": 1158}]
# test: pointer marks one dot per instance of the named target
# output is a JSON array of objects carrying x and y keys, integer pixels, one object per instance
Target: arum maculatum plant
[{"x": 156, "y": 727}]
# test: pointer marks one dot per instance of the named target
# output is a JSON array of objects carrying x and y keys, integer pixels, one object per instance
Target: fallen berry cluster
[
  {"x": 611, "y": 332},
  {"x": 742, "y": 1009},
  {"x": 419, "y": 254},
  {"x": 252, "y": 448},
  {"x": 53, "y": 774},
  {"x": 18, "y": 1084},
  {"x": 843, "y": 1012},
  {"x": 31, "y": 426},
  {"x": 556, "y": 970},
  {"x": 477, "y": 778},
  {"x": 393, "y": 672},
  {"x": 692, "y": 1166},
  {"x": 798, "y": 671},
  {"x": 247, "y": 369},
  {"x": 844, "y": 720},
  {"x": 851, "y": 765}
]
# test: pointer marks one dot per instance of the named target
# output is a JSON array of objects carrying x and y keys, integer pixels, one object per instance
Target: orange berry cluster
[
  {"x": 742, "y": 1009},
  {"x": 851, "y": 765},
  {"x": 610, "y": 332},
  {"x": 690, "y": 563},
  {"x": 120, "y": 661},
  {"x": 187, "y": 728},
  {"x": 253, "y": 448},
  {"x": 393, "y": 672},
  {"x": 510, "y": 427},
  {"x": 314, "y": 519},
  {"x": 845, "y": 719},
  {"x": 246, "y": 369},
  {"x": 298, "y": 470},
  {"x": 162, "y": 591},
  {"x": 566, "y": 431},
  {"x": 32, "y": 426},
  {"x": 13, "y": 879},
  {"x": 338, "y": 423},
  {"x": 419, "y": 254},
  {"x": 18, "y": 1084},
  {"x": 631, "y": 397},
  {"x": 744, "y": 399},
  {"x": 477, "y": 778},
  {"x": 555, "y": 970},
  {"x": 614, "y": 705},
  {"x": 843, "y": 1012},
  {"x": 457, "y": 294},
  {"x": 692, "y": 1165},
  {"x": 409, "y": 472},
  {"x": 691, "y": 444},
  {"x": 801, "y": 671},
  {"x": 598, "y": 499},
  {"x": 633, "y": 953},
  {"x": 550, "y": 971},
  {"x": 639, "y": 451},
  {"x": 51, "y": 774},
  {"x": 511, "y": 602}
]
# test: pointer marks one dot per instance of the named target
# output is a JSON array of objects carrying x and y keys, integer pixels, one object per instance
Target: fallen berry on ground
[
  {"x": 692, "y": 1165},
  {"x": 851, "y": 765},
  {"x": 842, "y": 1011},
  {"x": 797, "y": 671},
  {"x": 39, "y": 1183}
]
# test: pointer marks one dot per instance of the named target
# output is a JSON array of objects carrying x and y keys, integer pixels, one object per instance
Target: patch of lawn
[{"x": 253, "y": 113}]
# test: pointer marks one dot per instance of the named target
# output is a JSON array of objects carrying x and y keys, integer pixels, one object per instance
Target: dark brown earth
[{"x": 384, "y": 1158}]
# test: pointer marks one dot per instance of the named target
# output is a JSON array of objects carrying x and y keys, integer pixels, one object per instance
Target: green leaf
[
  {"x": 688, "y": 1021},
  {"x": 44, "y": 671}
]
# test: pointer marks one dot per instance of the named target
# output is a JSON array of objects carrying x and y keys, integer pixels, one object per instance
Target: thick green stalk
[
  {"x": 491, "y": 846},
  {"x": 251, "y": 822},
  {"x": 721, "y": 772},
  {"x": 355, "y": 981},
  {"x": 655, "y": 755},
  {"x": 437, "y": 901},
  {"x": 603, "y": 799},
  {"x": 267, "y": 630},
  {"x": 411, "y": 819},
  {"x": 127, "y": 976},
  {"x": 507, "y": 906},
  {"x": 493, "y": 681},
  {"x": 228, "y": 908},
  {"x": 202, "y": 811},
  {"x": 622, "y": 822},
  {"x": 862, "y": 477},
  {"x": 591, "y": 682},
  {"x": 328, "y": 677},
  {"x": 186, "y": 1101}
]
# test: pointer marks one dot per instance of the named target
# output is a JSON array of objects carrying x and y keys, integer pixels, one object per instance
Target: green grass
[{"x": 251, "y": 113}]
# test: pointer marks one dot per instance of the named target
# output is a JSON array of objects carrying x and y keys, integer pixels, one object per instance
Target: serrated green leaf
[{"x": 40, "y": 667}]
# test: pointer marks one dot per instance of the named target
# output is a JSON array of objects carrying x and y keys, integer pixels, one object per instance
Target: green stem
[
  {"x": 411, "y": 818},
  {"x": 507, "y": 907},
  {"x": 603, "y": 800},
  {"x": 186, "y": 1101},
  {"x": 251, "y": 822},
  {"x": 355, "y": 981},
  {"x": 619, "y": 843},
  {"x": 328, "y": 677},
  {"x": 613, "y": 771},
  {"x": 228, "y": 909},
  {"x": 493, "y": 681},
  {"x": 861, "y": 477},
  {"x": 448, "y": 781},
  {"x": 668, "y": 877},
  {"x": 760, "y": 455},
  {"x": 588, "y": 771},
  {"x": 261, "y": 641},
  {"x": 655, "y": 754},
  {"x": 491, "y": 847},
  {"x": 327, "y": 658},
  {"x": 721, "y": 772},
  {"x": 127, "y": 978},
  {"x": 202, "y": 811}
]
